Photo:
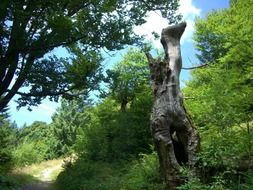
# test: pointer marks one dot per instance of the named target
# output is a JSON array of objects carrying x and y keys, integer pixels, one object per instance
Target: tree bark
[{"x": 176, "y": 140}]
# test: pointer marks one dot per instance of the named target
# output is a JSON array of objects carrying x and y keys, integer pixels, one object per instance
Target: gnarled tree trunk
[{"x": 175, "y": 138}]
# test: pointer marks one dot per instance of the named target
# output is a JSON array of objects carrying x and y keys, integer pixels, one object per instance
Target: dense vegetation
[
  {"x": 111, "y": 141},
  {"x": 220, "y": 96}
]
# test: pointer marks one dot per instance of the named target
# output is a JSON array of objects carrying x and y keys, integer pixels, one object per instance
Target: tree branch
[
  {"x": 50, "y": 93},
  {"x": 42, "y": 47},
  {"x": 195, "y": 67}
]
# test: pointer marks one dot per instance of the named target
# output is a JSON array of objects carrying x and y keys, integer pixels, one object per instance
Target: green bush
[
  {"x": 7, "y": 141},
  {"x": 196, "y": 184},
  {"x": 112, "y": 135},
  {"x": 220, "y": 148},
  {"x": 248, "y": 184},
  {"x": 86, "y": 174},
  {"x": 27, "y": 153},
  {"x": 8, "y": 183},
  {"x": 142, "y": 174}
]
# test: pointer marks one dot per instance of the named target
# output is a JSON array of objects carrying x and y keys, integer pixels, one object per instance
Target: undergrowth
[{"x": 140, "y": 174}]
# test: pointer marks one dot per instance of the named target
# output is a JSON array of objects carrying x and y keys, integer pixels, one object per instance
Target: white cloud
[
  {"x": 189, "y": 12},
  {"x": 156, "y": 23}
]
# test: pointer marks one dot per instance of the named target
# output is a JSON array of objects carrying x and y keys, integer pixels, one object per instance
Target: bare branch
[
  {"x": 149, "y": 57},
  {"x": 195, "y": 67}
]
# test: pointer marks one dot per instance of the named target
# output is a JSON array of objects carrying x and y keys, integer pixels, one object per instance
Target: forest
[{"x": 101, "y": 131}]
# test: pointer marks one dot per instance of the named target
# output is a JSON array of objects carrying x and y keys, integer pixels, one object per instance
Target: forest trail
[{"x": 43, "y": 174}]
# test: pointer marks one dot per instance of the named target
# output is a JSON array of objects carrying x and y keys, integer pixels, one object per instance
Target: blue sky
[{"x": 190, "y": 10}]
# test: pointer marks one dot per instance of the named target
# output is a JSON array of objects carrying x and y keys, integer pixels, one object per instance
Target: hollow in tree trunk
[{"x": 175, "y": 138}]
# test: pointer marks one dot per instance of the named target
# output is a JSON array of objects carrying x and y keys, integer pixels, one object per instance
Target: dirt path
[
  {"x": 44, "y": 185},
  {"x": 45, "y": 173},
  {"x": 48, "y": 173}
]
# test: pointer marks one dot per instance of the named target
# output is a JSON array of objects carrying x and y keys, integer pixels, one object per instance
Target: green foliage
[
  {"x": 110, "y": 139},
  {"x": 36, "y": 131},
  {"x": 221, "y": 95},
  {"x": 193, "y": 184},
  {"x": 122, "y": 131},
  {"x": 86, "y": 174},
  {"x": 128, "y": 77},
  {"x": 111, "y": 134},
  {"x": 248, "y": 184},
  {"x": 220, "y": 148},
  {"x": 68, "y": 119},
  {"x": 37, "y": 27},
  {"x": 7, "y": 142},
  {"x": 92, "y": 139},
  {"x": 38, "y": 136},
  {"x": 136, "y": 175},
  {"x": 143, "y": 174},
  {"x": 8, "y": 183},
  {"x": 223, "y": 90},
  {"x": 27, "y": 153},
  {"x": 196, "y": 184}
]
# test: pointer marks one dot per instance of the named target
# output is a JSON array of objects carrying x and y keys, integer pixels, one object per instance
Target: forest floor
[{"x": 40, "y": 176}]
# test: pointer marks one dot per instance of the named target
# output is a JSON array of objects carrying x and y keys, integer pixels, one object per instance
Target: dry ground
[{"x": 43, "y": 174}]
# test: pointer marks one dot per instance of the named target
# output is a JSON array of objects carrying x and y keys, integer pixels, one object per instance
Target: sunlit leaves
[
  {"x": 129, "y": 76},
  {"x": 222, "y": 92}
]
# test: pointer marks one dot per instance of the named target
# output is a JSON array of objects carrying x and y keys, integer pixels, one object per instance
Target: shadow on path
[{"x": 40, "y": 185}]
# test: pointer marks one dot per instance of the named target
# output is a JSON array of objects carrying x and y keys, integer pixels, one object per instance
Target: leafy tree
[
  {"x": 70, "y": 77},
  {"x": 37, "y": 130},
  {"x": 27, "y": 153},
  {"x": 30, "y": 30},
  {"x": 223, "y": 90},
  {"x": 122, "y": 131},
  {"x": 67, "y": 120},
  {"x": 111, "y": 135},
  {"x": 220, "y": 94},
  {"x": 7, "y": 140},
  {"x": 95, "y": 137},
  {"x": 128, "y": 77},
  {"x": 38, "y": 138}
]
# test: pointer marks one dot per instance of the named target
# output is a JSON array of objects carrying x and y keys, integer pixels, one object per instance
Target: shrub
[
  {"x": 143, "y": 175},
  {"x": 26, "y": 154},
  {"x": 196, "y": 184},
  {"x": 8, "y": 183},
  {"x": 248, "y": 184},
  {"x": 86, "y": 174}
]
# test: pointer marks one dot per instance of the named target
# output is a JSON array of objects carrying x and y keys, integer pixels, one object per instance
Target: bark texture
[{"x": 175, "y": 137}]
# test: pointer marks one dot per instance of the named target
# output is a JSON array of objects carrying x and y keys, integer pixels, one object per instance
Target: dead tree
[{"x": 175, "y": 138}]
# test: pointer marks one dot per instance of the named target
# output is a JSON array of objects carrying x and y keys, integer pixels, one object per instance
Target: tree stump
[{"x": 176, "y": 140}]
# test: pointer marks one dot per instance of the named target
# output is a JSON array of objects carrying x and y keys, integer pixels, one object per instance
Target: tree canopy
[
  {"x": 223, "y": 90},
  {"x": 31, "y": 30},
  {"x": 128, "y": 77}
]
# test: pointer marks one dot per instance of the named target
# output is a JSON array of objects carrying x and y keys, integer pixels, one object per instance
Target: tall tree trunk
[
  {"x": 175, "y": 138},
  {"x": 123, "y": 104}
]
